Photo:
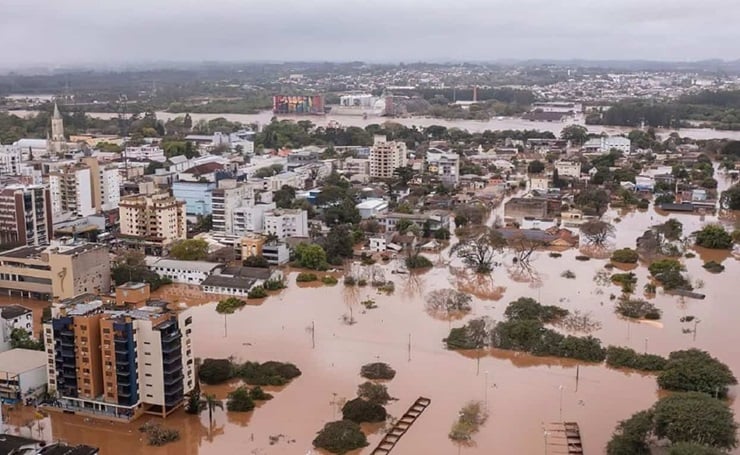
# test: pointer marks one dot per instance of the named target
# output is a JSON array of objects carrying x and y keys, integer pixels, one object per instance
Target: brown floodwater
[{"x": 522, "y": 392}]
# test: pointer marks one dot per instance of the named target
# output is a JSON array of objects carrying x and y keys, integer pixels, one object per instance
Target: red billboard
[{"x": 298, "y": 104}]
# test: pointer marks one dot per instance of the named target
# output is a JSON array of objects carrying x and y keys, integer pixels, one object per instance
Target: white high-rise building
[
  {"x": 229, "y": 197},
  {"x": 10, "y": 160},
  {"x": 251, "y": 218},
  {"x": 386, "y": 156},
  {"x": 286, "y": 223},
  {"x": 445, "y": 166},
  {"x": 71, "y": 192}
]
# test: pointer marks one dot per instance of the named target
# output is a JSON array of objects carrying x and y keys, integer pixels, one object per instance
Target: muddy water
[{"x": 521, "y": 391}]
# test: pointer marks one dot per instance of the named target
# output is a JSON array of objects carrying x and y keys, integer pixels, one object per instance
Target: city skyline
[{"x": 84, "y": 31}]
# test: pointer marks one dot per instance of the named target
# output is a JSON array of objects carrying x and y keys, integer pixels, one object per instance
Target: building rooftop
[
  {"x": 372, "y": 204},
  {"x": 17, "y": 361},
  {"x": 81, "y": 309},
  {"x": 24, "y": 252},
  {"x": 10, "y": 443},
  {"x": 196, "y": 266},
  {"x": 228, "y": 281},
  {"x": 13, "y": 311},
  {"x": 64, "y": 449}
]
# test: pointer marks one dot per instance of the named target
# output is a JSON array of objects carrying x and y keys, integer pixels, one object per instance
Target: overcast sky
[{"x": 58, "y": 32}]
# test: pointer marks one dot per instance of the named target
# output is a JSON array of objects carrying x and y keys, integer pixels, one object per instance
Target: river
[{"x": 497, "y": 123}]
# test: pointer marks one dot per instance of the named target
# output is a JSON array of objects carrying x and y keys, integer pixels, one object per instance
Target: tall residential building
[
  {"x": 157, "y": 217},
  {"x": 25, "y": 216},
  {"x": 105, "y": 183},
  {"x": 228, "y": 198},
  {"x": 119, "y": 363},
  {"x": 57, "y": 142},
  {"x": 72, "y": 192},
  {"x": 445, "y": 166},
  {"x": 286, "y": 223},
  {"x": 386, "y": 156},
  {"x": 10, "y": 160},
  {"x": 59, "y": 271}
]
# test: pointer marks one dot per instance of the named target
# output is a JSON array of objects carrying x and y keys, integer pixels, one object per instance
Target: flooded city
[{"x": 308, "y": 327}]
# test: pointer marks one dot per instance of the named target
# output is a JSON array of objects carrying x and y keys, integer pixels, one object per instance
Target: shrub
[
  {"x": 256, "y": 261},
  {"x": 257, "y": 292},
  {"x": 668, "y": 273},
  {"x": 257, "y": 394},
  {"x": 330, "y": 280},
  {"x": 369, "y": 304},
  {"x": 359, "y": 410},
  {"x": 240, "y": 400},
  {"x": 694, "y": 370},
  {"x": 340, "y": 437},
  {"x": 714, "y": 267},
  {"x": 306, "y": 277},
  {"x": 568, "y": 274},
  {"x": 418, "y": 261},
  {"x": 619, "y": 357},
  {"x": 374, "y": 393},
  {"x": 215, "y": 371},
  {"x": 714, "y": 236},
  {"x": 476, "y": 334},
  {"x": 626, "y": 280},
  {"x": 625, "y": 255},
  {"x": 637, "y": 309},
  {"x": 448, "y": 301},
  {"x": 388, "y": 287},
  {"x": 349, "y": 280},
  {"x": 581, "y": 257},
  {"x": 469, "y": 421},
  {"x": 553, "y": 254},
  {"x": 229, "y": 305},
  {"x": 643, "y": 204},
  {"x": 362, "y": 282},
  {"x": 525, "y": 308},
  {"x": 157, "y": 435},
  {"x": 377, "y": 370},
  {"x": 268, "y": 373},
  {"x": 689, "y": 255},
  {"x": 274, "y": 284}
]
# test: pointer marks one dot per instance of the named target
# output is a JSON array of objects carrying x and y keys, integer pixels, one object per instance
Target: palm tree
[{"x": 210, "y": 402}]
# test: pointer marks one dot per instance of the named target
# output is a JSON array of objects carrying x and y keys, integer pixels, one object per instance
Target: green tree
[
  {"x": 695, "y": 417},
  {"x": 731, "y": 197},
  {"x": 625, "y": 256},
  {"x": 714, "y": 236},
  {"x": 189, "y": 250},
  {"x": 593, "y": 199},
  {"x": 340, "y": 437},
  {"x": 479, "y": 250},
  {"x": 597, "y": 232},
  {"x": 256, "y": 261},
  {"x": 536, "y": 167},
  {"x": 339, "y": 244},
  {"x": 284, "y": 197},
  {"x": 631, "y": 435},
  {"x": 374, "y": 393},
  {"x": 403, "y": 174},
  {"x": 360, "y": 411},
  {"x": 692, "y": 448},
  {"x": 311, "y": 256},
  {"x": 696, "y": 371},
  {"x": 21, "y": 339},
  {"x": 240, "y": 400},
  {"x": 195, "y": 403},
  {"x": 576, "y": 134}
]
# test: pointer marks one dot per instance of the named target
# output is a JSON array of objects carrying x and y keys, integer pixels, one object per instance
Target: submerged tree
[
  {"x": 597, "y": 232},
  {"x": 448, "y": 302},
  {"x": 479, "y": 250}
]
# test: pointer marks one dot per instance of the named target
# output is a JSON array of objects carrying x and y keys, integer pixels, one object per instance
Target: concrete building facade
[
  {"x": 118, "y": 364},
  {"x": 71, "y": 189},
  {"x": 286, "y": 223},
  {"x": 386, "y": 156},
  {"x": 25, "y": 216},
  {"x": 198, "y": 197},
  {"x": 445, "y": 166},
  {"x": 157, "y": 217}
]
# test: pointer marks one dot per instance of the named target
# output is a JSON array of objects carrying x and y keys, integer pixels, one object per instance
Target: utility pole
[
  {"x": 313, "y": 334},
  {"x": 409, "y": 347},
  {"x": 561, "y": 402}
]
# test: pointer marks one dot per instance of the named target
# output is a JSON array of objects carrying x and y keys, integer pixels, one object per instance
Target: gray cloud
[{"x": 117, "y": 31}]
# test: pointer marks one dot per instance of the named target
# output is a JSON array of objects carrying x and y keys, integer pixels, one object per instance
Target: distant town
[{"x": 178, "y": 254}]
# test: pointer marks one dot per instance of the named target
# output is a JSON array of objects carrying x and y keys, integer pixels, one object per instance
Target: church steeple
[{"x": 58, "y": 143}]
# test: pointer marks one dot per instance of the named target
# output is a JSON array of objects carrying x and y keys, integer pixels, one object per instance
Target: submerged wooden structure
[
  {"x": 403, "y": 424},
  {"x": 563, "y": 438}
]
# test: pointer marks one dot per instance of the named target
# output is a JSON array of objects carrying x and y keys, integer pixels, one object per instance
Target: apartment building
[
  {"x": 106, "y": 185},
  {"x": 228, "y": 198},
  {"x": 71, "y": 189},
  {"x": 115, "y": 363},
  {"x": 386, "y": 156},
  {"x": 10, "y": 160},
  {"x": 568, "y": 169},
  {"x": 286, "y": 223},
  {"x": 157, "y": 217},
  {"x": 145, "y": 153},
  {"x": 606, "y": 144},
  {"x": 356, "y": 166},
  {"x": 445, "y": 166},
  {"x": 59, "y": 271},
  {"x": 251, "y": 219},
  {"x": 25, "y": 216}
]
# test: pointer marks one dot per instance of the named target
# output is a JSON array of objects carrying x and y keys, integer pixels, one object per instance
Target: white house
[
  {"x": 539, "y": 183},
  {"x": 644, "y": 183},
  {"x": 14, "y": 317},
  {"x": 22, "y": 374},
  {"x": 183, "y": 272},
  {"x": 606, "y": 144},
  {"x": 145, "y": 152},
  {"x": 568, "y": 169},
  {"x": 378, "y": 244},
  {"x": 371, "y": 208}
]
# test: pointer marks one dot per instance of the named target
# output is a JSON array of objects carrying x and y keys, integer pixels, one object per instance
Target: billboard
[{"x": 289, "y": 104}]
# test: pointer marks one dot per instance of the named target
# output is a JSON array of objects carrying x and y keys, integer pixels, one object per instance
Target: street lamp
[{"x": 561, "y": 402}]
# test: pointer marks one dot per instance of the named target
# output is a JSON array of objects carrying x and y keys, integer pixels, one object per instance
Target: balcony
[
  {"x": 171, "y": 369},
  {"x": 170, "y": 348},
  {"x": 123, "y": 373}
]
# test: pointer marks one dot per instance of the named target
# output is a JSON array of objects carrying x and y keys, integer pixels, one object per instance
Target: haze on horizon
[{"x": 73, "y": 32}]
